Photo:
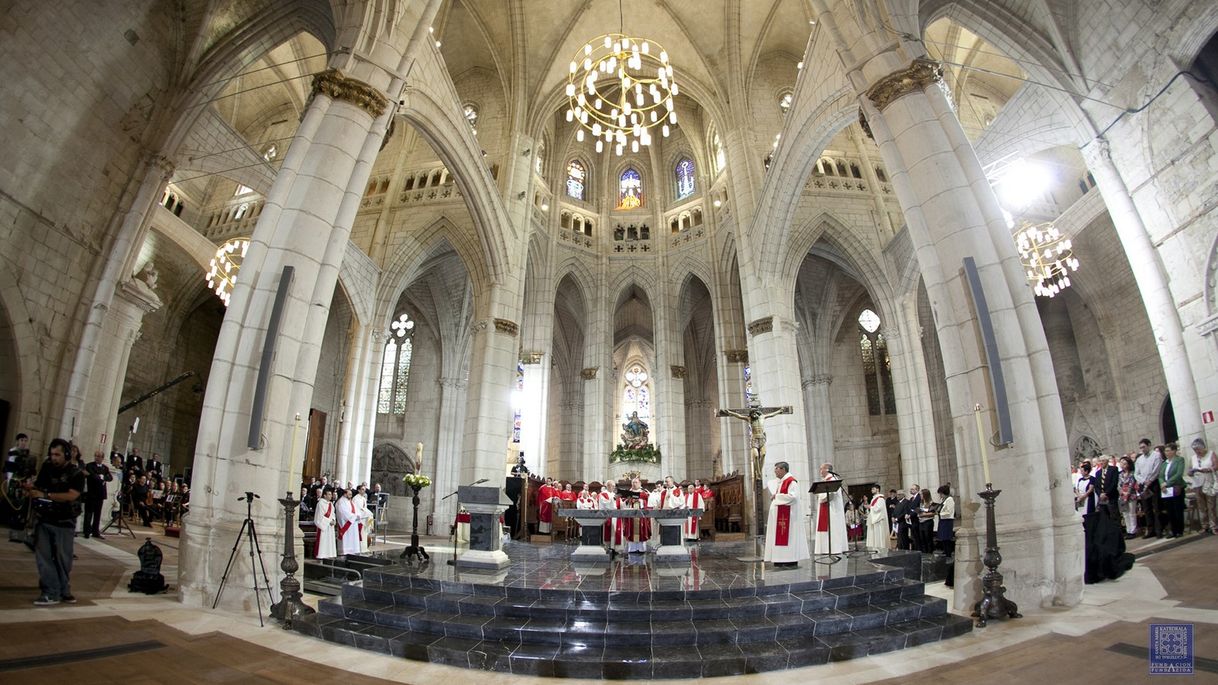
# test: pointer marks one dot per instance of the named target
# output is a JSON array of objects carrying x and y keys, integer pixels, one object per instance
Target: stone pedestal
[{"x": 485, "y": 504}]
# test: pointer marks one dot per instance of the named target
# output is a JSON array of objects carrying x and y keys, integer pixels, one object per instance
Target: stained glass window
[
  {"x": 685, "y": 178},
  {"x": 720, "y": 156},
  {"x": 395, "y": 367},
  {"x": 637, "y": 395},
  {"x": 540, "y": 163},
  {"x": 630, "y": 190},
  {"x": 877, "y": 367},
  {"x": 576, "y": 179},
  {"x": 518, "y": 413}
]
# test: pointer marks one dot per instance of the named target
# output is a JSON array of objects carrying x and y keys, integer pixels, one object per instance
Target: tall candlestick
[{"x": 985, "y": 460}]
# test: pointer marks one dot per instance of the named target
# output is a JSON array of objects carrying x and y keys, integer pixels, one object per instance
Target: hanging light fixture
[
  {"x": 222, "y": 274},
  {"x": 619, "y": 88},
  {"x": 1047, "y": 257}
]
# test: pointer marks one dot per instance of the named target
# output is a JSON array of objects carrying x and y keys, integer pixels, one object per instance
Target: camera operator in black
[{"x": 56, "y": 491}]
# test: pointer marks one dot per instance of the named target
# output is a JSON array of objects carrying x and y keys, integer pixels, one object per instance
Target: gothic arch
[
  {"x": 407, "y": 262},
  {"x": 28, "y": 400}
]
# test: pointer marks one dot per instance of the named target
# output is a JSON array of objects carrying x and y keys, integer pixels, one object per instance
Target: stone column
[
  {"x": 116, "y": 272},
  {"x": 120, "y": 330},
  {"x": 911, "y": 389},
  {"x": 492, "y": 374},
  {"x": 952, "y": 214},
  {"x": 1151, "y": 277},
  {"x": 445, "y": 467},
  {"x": 351, "y": 392},
  {"x": 818, "y": 415},
  {"x": 306, "y": 224},
  {"x": 774, "y": 361},
  {"x": 733, "y": 434},
  {"x": 534, "y": 408}
]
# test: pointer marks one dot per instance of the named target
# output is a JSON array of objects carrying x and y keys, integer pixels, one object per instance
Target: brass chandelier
[
  {"x": 1047, "y": 256},
  {"x": 619, "y": 88}
]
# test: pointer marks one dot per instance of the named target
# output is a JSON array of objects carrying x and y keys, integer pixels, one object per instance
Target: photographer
[{"x": 55, "y": 491}]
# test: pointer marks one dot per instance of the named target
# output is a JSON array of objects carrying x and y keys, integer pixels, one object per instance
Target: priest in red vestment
[
  {"x": 786, "y": 544},
  {"x": 693, "y": 500},
  {"x": 545, "y": 506}
]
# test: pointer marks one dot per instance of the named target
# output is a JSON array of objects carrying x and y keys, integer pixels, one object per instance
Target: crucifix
[{"x": 756, "y": 416}]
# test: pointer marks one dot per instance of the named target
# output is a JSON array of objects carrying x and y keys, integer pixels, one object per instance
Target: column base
[{"x": 477, "y": 558}]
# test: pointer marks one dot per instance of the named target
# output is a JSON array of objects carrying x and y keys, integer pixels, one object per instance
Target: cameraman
[{"x": 55, "y": 491}]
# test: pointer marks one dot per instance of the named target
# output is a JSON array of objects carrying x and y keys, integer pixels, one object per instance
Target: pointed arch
[{"x": 410, "y": 257}]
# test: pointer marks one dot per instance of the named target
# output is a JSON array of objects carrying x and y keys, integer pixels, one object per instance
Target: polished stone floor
[{"x": 1097, "y": 641}]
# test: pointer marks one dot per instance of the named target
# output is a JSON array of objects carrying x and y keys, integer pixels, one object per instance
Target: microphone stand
[{"x": 453, "y": 562}]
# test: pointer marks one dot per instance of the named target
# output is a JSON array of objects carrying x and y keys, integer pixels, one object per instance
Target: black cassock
[{"x": 1104, "y": 555}]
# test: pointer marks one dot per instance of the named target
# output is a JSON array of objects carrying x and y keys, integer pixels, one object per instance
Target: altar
[{"x": 591, "y": 532}]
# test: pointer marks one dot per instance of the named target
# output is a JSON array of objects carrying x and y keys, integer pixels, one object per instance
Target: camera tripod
[
  {"x": 120, "y": 524},
  {"x": 247, "y": 526}
]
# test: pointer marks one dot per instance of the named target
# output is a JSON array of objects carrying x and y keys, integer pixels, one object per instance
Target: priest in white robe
[
  {"x": 830, "y": 516},
  {"x": 350, "y": 525},
  {"x": 365, "y": 517},
  {"x": 786, "y": 543},
  {"x": 877, "y": 520},
  {"x": 325, "y": 519}
]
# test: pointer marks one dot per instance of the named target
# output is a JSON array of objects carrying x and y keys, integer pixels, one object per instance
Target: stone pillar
[
  {"x": 120, "y": 330},
  {"x": 445, "y": 468},
  {"x": 306, "y": 224},
  {"x": 733, "y": 441},
  {"x": 952, "y": 214},
  {"x": 818, "y": 415},
  {"x": 1151, "y": 277},
  {"x": 670, "y": 394},
  {"x": 117, "y": 271},
  {"x": 348, "y": 430},
  {"x": 492, "y": 374},
  {"x": 534, "y": 408},
  {"x": 911, "y": 389},
  {"x": 774, "y": 361},
  {"x": 369, "y": 379}
]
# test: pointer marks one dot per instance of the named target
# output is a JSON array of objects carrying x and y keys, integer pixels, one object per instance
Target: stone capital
[
  {"x": 818, "y": 379},
  {"x": 736, "y": 356},
  {"x": 332, "y": 83},
  {"x": 678, "y": 372},
  {"x": 589, "y": 373},
  {"x": 763, "y": 325},
  {"x": 1097, "y": 153},
  {"x": 508, "y": 327},
  {"x": 451, "y": 382},
  {"x": 531, "y": 357},
  {"x": 921, "y": 73}
]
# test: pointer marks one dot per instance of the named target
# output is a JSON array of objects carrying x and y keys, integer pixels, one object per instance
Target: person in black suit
[
  {"x": 905, "y": 508},
  {"x": 153, "y": 465},
  {"x": 1108, "y": 484},
  {"x": 97, "y": 474},
  {"x": 134, "y": 464}
]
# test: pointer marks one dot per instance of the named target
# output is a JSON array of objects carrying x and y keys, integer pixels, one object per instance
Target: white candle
[
  {"x": 418, "y": 457},
  {"x": 985, "y": 460}
]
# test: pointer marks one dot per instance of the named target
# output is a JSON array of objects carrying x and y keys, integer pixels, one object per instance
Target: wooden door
[{"x": 313, "y": 444}]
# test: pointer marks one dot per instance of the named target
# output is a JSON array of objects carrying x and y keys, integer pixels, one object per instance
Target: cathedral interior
[{"x": 361, "y": 225}]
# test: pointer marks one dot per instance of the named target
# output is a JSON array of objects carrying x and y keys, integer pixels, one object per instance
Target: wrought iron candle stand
[
  {"x": 415, "y": 551},
  {"x": 290, "y": 606},
  {"x": 994, "y": 603}
]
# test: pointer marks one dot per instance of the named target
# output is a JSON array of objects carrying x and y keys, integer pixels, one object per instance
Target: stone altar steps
[{"x": 563, "y": 632}]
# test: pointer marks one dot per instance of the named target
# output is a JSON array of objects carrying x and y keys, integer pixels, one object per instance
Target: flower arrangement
[
  {"x": 647, "y": 454},
  {"x": 416, "y": 481}
]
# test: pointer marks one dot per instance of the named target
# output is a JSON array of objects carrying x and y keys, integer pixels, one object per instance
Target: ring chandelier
[
  {"x": 1047, "y": 256},
  {"x": 222, "y": 276},
  {"x": 618, "y": 89}
]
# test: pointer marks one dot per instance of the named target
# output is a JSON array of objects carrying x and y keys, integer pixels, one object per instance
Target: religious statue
[
  {"x": 635, "y": 432},
  {"x": 148, "y": 275},
  {"x": 756, "y": 417}
]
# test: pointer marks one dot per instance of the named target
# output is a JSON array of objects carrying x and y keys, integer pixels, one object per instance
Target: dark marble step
[
  {"x": 521, "y": 588},
  {"x": 658, "y": 630},
  {"x": 668, "y": 609},
  {"x": 595, "y": 660}
]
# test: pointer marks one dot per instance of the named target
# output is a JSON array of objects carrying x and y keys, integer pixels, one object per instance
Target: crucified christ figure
[{"x": 756, "y": 417}]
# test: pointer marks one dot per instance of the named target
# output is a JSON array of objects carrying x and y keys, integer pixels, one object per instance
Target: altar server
[
  {"x": 786, "y": 543},
  {"x": 830, "y": 514},
  {"x": 607, "y": 499},
  {"x": 325, "y": 519},
  {"x": 877, "y": 520},
  {"x": 360, "y": 500},
  {"x": 586, "y": 500},
  {"x": 693, "y": 500},
  {"x": 350, "y": 527}
]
